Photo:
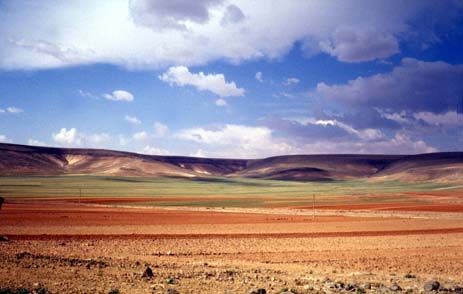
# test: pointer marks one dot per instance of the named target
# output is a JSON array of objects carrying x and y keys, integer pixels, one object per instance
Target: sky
[{"x": 233, "y": 79}]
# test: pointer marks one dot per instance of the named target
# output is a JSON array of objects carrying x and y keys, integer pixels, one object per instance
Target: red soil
[{"x": 233, "y": 236}]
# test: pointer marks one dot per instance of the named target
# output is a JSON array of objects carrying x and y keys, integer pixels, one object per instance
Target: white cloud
[
  {"x": 160, "y": 129},
  {"x": 199, "y": 153},
  {"x": 155, "y": 34},
  {"x": 67, "y": 137},
  {"x": 399, "y": 117},
  {"x": 87, "y": 94},
  {"x": 284, "y": 94},
  {"x": 367, "y": 134},
  {"x": 119, "y": 95},
  {"x": 123, "y": 140},
  {"x": 132, "y": 119},
  {"x": 450, "y": 118},
  {"x": 354, "y": 45},
  {"x": 236, "y": 141},
  {"x": 73, "y": 138},
  {"x": 215, "y": 83},
  {"x": 4, "y": 139},
  {"x": 148, "y": 149},
  {"x": 13, "y": 109},
  {"x": 258, "y": 76},
  {"x": 291, "y": 81},
  {"x": 141, "y": 136},
  {"x": 221, "y": 102},
  {"x": 100, "y": 139},
  {"x": 240, "y": 141},
  {"x": 399, "y": 144},
  {"x": 34, "y": 142}
]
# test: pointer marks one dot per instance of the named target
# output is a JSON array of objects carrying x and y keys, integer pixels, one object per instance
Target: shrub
[{"x": 409, "y": 276}]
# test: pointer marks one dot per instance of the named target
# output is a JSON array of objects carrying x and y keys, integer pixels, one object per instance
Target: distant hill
[{"x": 17, "y": 160}]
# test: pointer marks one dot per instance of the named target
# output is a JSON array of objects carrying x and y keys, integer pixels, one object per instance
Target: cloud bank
[{"x": 140, "y": 34}]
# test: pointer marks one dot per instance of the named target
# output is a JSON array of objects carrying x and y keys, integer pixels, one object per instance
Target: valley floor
[{"x": 89, "y": 248}]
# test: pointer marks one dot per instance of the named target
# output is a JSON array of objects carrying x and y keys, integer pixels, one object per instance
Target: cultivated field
[{"x": 93, "y": 234}]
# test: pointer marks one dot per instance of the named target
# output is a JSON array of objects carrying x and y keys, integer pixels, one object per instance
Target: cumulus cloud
[
  {"x": 67, "y": 137},
  {"x": 356, "y": 45},
  {"x": 199, "y": 153},
  {"x": 100, "y": 139},
  {"x": 367, "y": 134},
  {"x": 148, "y": 149},
  {"x": 450, "y": 118},
  {"x": 330, "y": 135},
  {"x": 241, "y": 141},
  {"x": 215, "y": 83},
  {"x": 4, "y": 139},
  {"x": 74, "y": 138},
  {"x": 236, "y": 141},
  {"x": 34, "y": 142},
  {"x": 156, "y": 34},
  {"x": 259, "y": 77},
  {"x": 141, "y": 136},
  {"x": 119, "y": 95},
  {"x": 160, "y": 129},
  {"x": 221, "y": 102},
  {"x": 399, "y": 144},
  {"x": 414, "y": 85},
  {"x": 132, "y": 119},
  {"x": 401, "y": 117},
  {"x": 291, "y": 81}
]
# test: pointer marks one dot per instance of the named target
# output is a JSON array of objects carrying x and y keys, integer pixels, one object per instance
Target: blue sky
[{"x": 242, "y": 79}]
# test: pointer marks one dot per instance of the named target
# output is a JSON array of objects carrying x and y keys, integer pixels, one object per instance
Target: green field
[{"x": 232, "y": 192}]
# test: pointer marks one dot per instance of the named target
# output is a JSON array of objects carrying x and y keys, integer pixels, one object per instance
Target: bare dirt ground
[{"x": 86, "y": 248}]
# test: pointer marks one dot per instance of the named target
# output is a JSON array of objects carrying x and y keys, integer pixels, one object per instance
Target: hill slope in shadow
[{"x": 19, "y": 160}]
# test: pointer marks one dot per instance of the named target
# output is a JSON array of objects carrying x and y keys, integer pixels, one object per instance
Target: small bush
[
  {"x": 114, "y": 291},
  {"x": 409, "y": 276},
  {"x": 23, "y": 291},
  {"x": 5, "y": 291}
]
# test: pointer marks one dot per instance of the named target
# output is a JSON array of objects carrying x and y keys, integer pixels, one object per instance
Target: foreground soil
[{"x": 72, "y": 248}]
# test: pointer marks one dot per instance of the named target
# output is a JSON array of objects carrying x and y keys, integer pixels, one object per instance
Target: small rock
[
  {"x": 351, "y": 286},
  {"x": 148, "y": 273},
  {"x": 367, "y": 286},
  {"x": 4, "y": 239},
  {"x": 330, "y": 285},
  {"x": 172, "y": 291},
  {"x": 431, "y": 285},
  {"x": 258, "y": 291},
  {"x": 395, "y": 287},
  {"x": 326, "y": 279}
]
